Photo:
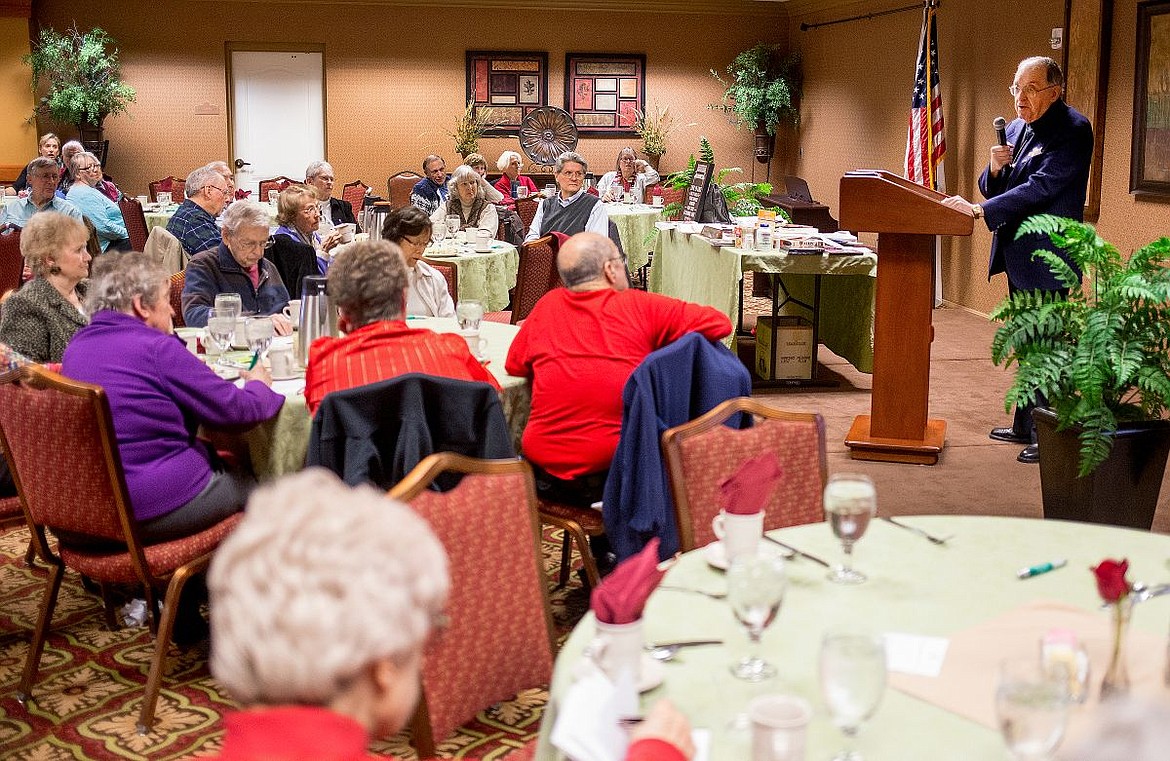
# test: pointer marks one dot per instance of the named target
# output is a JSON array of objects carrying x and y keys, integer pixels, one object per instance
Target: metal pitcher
[
  {"x": 376, "y": 218},
  {"x": 318, "y": 317}
]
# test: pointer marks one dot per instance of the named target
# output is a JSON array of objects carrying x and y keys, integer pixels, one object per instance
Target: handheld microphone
[{"x": 1000, "y": 125}]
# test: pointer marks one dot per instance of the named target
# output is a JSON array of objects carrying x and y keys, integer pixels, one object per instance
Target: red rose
[{"x": 1111, "y": 581}]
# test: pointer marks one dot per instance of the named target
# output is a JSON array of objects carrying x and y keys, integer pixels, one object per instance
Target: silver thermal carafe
[{"x": 318, "y": 317}]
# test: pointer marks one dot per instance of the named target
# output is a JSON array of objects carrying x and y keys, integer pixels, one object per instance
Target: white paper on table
[
  {"x": 587, "y": 726},
  {"x": 702, "y": 740},
  {"x": 915, "y": 654}
]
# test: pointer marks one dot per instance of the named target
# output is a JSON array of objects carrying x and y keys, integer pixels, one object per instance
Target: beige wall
[
  {"x": 18, "y": 138},
  {"x": 395, "y": 75}
]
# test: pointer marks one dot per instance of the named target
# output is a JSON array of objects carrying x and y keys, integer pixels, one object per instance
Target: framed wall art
[
  {"x": 603, "y": 90},
  {"x": 512, "y": 83},
  {"x": 1150, "y": 160}
]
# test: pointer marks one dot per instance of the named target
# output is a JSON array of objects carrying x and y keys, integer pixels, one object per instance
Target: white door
[{"x": 278, "y": 115}]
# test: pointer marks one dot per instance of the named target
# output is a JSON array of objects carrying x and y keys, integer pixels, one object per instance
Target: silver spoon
[
  {"x": 712, "y": 595},
  {"x": 667, "y": 650}
]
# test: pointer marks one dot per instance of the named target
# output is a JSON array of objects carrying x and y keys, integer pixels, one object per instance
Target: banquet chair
[
  {"x": 526, "y": 208},
  {"x": 536, "y": 275},
  {"x": 177, "y": 187},
  {"x": 355, "y": 193},
  {"x": 577, "y": 525},
  {"x": 398, "y": 188},
  {"x": 450, "y": 271},
  {"x": 277, "y": 183},
  {"x": 499, "y": 638},
  {"x": 58, "y": 436},
  {"x": 93, "y": 245},
  {"x": 11, "y": 262},
  {"x": 135, "y": 221},
  {"x": 177, "y": 281},
  {"x": 703, "y": 452}
]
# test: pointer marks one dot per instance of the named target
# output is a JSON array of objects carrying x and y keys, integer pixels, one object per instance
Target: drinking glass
[
  {"x": 259, "y": 332},
  {"x": 273, "y": 197},
  {"x": 221, "y": 330},
  {"x": 853, "y": 678},
  {"x": 469, "y": 313},
  {"x": 755, "y": 589},
  {"x": 230, "y": 302},
  {"x": 452, "y": 225},
  {"x": 850, "y": 504},
  {"x": 1032, "y": 706},
  {"x": 163, "y": 198}
]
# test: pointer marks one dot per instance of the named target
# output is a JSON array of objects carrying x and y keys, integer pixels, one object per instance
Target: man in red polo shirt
[
  {"x": 367, "y": 283},
  {"x": 579, "y": 346}
]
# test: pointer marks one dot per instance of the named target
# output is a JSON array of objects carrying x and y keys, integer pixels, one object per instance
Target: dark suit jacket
[
  {"x": 341, "y": 212},
  {"x": 1049, "y": 175},
  {"x": 294, "y": 261}
]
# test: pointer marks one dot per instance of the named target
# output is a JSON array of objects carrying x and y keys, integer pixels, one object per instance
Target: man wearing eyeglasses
[
  {"x": 1043, "y": 169},
  {"x": 194, "y": 221},
  {"x": 571, "y": 210},
  {"x": 42, "y": 175}
]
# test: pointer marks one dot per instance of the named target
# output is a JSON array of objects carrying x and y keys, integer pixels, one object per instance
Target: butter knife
[{"x": 795, "y": 551}]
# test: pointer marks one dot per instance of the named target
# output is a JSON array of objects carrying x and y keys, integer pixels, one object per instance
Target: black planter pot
[
  {"x": 765, "y": 144},
  {"x": 1122, "y": 491}
]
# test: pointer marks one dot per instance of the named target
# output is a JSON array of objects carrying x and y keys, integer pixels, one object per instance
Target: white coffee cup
[
  {"x": 144, "y": 200},
  {"x": 617, "y": 648},
  {"x": 483, "y": 240},
  {"x": 461, "y": 236},
  {"x": 521, "y": 191},
  {"x": 347, "y": 230},
  {"x": 475, "y": 344},
  {"x": 740, "y": 534},
  {"x": 550, "y": 190},
  {"x": 656, "y": 201},
  {"x": 282, "y": 363},
  {"x": 292, "y": 311},
  {"x": 779, "y": 726}
]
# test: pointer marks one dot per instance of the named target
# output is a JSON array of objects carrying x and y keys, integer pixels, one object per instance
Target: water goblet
[
  {"x": 755, "y": 589},
  {"x": 850, "y": 504},
  {"x": 163, "y": 198},
  {"x": 221, "y": 330},
  {"x": 452, "y": 225},
  {"x": 273, "y": 197},
  {"x": 469, "y": 312},
  {"x": 230, "y": 302},
  {"x": 1031, "y": 704},
  {"x": 259, "y": 332},
  {"x": 853, "y": 678}
]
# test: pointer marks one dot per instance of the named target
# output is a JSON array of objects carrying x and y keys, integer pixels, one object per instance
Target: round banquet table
[
  {"x": 484, "y": 276},
  {"x": 156, "y": 217},
  {"x": 966, "y": 591},
  {"x": 635, "y": 226}
]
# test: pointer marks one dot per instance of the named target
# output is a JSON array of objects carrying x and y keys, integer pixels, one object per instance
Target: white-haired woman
[
  {"x": 510, "y": 163},
  {"x": 321, "y": 643},
  {"x": 466, "y": 200},
  {"x": 40, "y": 319},
  {"x": 633, "y": 175},
  {"x": 95, "y": 205}
]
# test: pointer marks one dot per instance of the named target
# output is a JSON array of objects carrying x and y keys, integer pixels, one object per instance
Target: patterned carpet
[{"x": 88, "y": 692}]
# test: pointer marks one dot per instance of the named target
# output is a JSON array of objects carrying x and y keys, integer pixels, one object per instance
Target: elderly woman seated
[
  {"x": 95, "y": 205},
  {"x": 237, "y": 266},
  {"x": 297, "y": 248},
  {"x": 467, "y": 200},
  {"x": 319, "y": 619},
  {"x": 49, "y": 147},
  {"x": 633, "y": 175},
  {"x": 40, "y": 319},
  {"x": 159, "y": 395},
  {"x": 510, "y": 163},
  {"x": 427, "y": 295}
]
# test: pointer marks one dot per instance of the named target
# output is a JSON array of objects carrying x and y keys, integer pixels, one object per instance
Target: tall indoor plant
[
  {"x": 83, "y": 78},
  {"x": 654, "y": 127},
  {"x": 471, "y": 125},
  {"x": 1101, "y": 356},
  {"x": 762, "y": 93}
]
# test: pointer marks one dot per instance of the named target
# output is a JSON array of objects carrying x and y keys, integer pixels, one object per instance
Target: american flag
[{"x": 925, "y": 141}]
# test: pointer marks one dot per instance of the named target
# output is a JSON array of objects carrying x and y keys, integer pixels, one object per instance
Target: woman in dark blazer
[{"x": 298, "y": 250}]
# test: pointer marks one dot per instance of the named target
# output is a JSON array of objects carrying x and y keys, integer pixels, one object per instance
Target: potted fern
[
  {"x": 743, "y": 198},
  {"x": 762, "y": 93},
  {"x": 1102, "y": 358}
]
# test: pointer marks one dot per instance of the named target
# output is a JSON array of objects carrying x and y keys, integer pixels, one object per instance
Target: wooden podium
[{"x": 906, "y": 217}]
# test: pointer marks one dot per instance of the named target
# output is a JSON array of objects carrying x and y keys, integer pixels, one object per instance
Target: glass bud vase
[{"x": 1116, "y": 681}]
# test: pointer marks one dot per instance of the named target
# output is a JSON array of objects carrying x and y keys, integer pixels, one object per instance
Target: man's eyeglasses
[
  {"x": 253, "y": 245},
  {"x": 1029, "y": 91},
  {"x": 217, "y": 187}
]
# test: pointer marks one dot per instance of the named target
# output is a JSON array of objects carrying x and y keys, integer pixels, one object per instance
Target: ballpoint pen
[
  {"x": 1036, "y": 570},
  {"x": 255, "y": 359}
]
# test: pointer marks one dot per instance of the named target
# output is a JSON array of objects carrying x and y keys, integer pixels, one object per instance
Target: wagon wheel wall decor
[{"x": 546, "y": 133}]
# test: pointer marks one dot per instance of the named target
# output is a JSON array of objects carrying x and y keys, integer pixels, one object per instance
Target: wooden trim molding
[{"x": 16, "y": 8}]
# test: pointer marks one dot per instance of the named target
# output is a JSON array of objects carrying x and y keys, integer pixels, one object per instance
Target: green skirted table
[
  {"x": 690, "y": 268},
  {"x": 158, "y": 218},
  {"x": 486, "y": 277},
  {"x": 636, "y": 229},
  {"x": 966, "y": 591}
]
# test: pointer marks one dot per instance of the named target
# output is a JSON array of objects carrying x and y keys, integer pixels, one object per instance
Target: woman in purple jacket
[{"x": 159, "y": 395}]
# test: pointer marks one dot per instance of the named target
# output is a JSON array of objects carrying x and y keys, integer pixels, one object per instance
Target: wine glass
[
  {"x": 452, "y": 225},
  {"x": 221, "y": 329},
  {"x": 469, "y": 312},
  {"x": 230, "y": 302},
  {"x": 755, "y": 588},
  {"x": 1032, "y": 706},
  {"x": 853, "y": 678},
  {"x": 259, "y": 331},
  {"x": 850, "y": 503}
]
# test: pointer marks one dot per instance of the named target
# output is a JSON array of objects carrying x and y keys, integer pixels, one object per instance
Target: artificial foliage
[
  {"x": 654, "y": 127},
  {"x": 83, "y": 76},
  {"x": 742, "y": 197},
  {"x": 1102, "y": 355},
  {"x": 763, "y": 88},
  {"x": 471, "y": 125}
]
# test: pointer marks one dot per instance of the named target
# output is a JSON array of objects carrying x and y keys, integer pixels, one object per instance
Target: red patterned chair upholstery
[
  {"x": 450, "y": 271},
  {"x": 178, "y": 280},
  {"x": 58, "y": 437},
  {"x": 177, "y": 187},
  {"x": 11, "y": 262},
  {"x": 536, "y": 275},
  {"x": 526, "y": 208},
  {"x": 398, "y": 188},
  {"x": 670, "y": 195},
  {"x": 135, "y": 222},
  {"x": 499, "y": 640},
  {"x": 703, "y": 452},
  {"x": 355, "y": 193},
  {"x": 275, "y": 183}
]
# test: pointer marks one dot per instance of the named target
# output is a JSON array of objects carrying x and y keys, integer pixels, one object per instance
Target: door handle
[{"x": 240, "y": 163}]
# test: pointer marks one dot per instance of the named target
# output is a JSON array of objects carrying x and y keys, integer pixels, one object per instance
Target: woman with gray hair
[
  {"x": 510, "y": 163},
  {"x": 467, "y": 199},
  {"x": 95, "y": 205},
  {"x": 298, "y": 250},
  {"x": 40, "y": 319},
  {"x": 237, "y": 266},
  {"x": 159, "y": 395}
]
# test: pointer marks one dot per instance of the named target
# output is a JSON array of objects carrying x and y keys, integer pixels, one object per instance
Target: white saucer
[
  {"x": 225, "y": 372},
  {"x": 716, "y": 554},
  {"x": 653, "y": 672},
  {"x": 294, "y": 376}
]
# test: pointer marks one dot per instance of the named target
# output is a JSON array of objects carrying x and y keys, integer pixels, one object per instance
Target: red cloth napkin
[
  {"x": 620, "y": 597},
  {"x": 746, "y": 491}
]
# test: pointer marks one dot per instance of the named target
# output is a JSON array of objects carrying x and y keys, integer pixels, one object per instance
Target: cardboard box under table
[{"x": 793, "y": 337}]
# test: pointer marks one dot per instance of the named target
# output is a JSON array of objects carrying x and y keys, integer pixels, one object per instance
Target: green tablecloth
[
  {"x": 688, "y": 267},
  {"x": 158, "y": 218},
  {"x": 635, "y": 226},
  {"x": 278, "y": 446},
  {"x": 485, "y": 277},
  {"x": 914, "y": 587}
]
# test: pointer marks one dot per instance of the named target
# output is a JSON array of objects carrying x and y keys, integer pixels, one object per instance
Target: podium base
[{"x": 863, "y": 446}]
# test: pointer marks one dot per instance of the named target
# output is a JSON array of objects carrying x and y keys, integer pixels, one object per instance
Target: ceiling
[{"x": 779, "y": 9}]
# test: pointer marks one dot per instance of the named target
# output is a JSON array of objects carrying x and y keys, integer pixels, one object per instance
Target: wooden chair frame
[
  {"x": 405, "y": 174},
  {"x": 672, "y": 451}
]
